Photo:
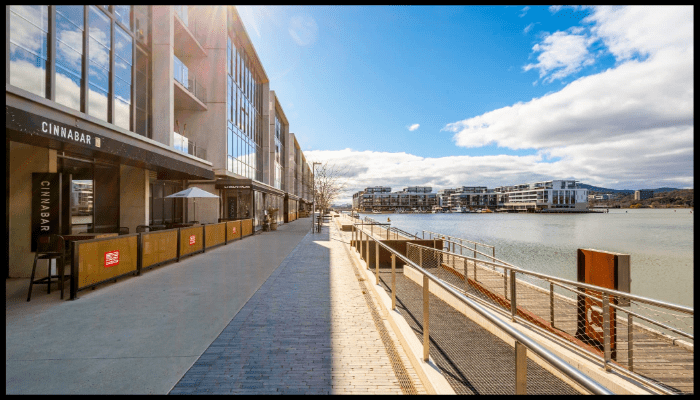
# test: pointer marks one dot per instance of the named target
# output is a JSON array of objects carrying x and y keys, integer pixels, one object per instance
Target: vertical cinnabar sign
[{"x": 46, "y": 205}]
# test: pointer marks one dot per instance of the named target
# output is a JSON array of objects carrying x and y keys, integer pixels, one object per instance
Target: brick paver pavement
[{"x": 307, "y": 330}]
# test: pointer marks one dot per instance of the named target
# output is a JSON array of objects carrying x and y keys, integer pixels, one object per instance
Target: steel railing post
[
  {"x": 393, "y": 281},
  {"x": 551, "y": 304},
  {"x": 426, "y": 318},
  {"x": 513, "y": 305},
  {"x": 606, "y": 331},
  {"x": 474, "y": 271},
  {"x": 505, "y": 283},
  {"x": 630, "y": 341},
  {"x": 376, "y": 263},
  {"x": 367, "y": 245},
  {"x": 466, "y": 278},
  {"x": 520, "y": 368},
  {"x": 420, "y": 257}
]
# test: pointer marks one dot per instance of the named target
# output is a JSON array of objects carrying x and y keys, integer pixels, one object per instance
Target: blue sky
[{"x": 451, "y": 96}]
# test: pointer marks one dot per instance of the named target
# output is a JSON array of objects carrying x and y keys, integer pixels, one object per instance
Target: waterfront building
[
  {"x": 121, "y": 106},
  {"x": 643, "y": 194},
  {"x": 554, "y": 195},
  {"x": 382, "y": 199}
]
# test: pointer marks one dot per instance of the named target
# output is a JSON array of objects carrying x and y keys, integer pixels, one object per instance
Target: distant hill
[{"x": 592, "y": 188}]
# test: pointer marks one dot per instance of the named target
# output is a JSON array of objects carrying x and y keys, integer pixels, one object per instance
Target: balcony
[
  {"x": 190, "y": 94},
  {"x": 188, "y": 36},
  {"x": 188, "y": 146}
]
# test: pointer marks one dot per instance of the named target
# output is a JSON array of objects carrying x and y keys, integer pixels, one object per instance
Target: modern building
[
  {"x": 381, "y": 198},
  {"x": 554, "y": 195},
  {"x": 643, "y": 194},
  {"x": 117, "y": 107}
]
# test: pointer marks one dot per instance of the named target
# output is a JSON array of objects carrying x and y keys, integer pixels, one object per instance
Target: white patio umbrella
[{"x": 192, "y": 193}]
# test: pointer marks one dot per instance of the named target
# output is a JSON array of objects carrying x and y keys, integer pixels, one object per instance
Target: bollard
[
  {"x": 393, "y": 282},
  {"x": 426, "y": 318},
  {"x": 520, "y": 368}
]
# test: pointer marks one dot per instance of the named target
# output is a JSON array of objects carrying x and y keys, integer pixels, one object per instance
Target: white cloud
[
  {"x": 596, "y": 164},
  {"x": 527, "y": 28},
  {"x": 413, "y": 127},
  {"x": 562, "y": 54},
  {"x": 524, "y": 11},
  {"x": 629, "y": 125}
]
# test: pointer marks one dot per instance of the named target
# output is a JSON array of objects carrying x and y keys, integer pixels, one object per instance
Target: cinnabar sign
[
  {"x": 233, "y": 230},
  {"x": 46, "y": 205},
  {"x": 192, "y": 239},
  {"x": 111, "y": 258}
]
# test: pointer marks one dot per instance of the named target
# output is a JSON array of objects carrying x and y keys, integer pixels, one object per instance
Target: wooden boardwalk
[{"x": 654, "y": 356}]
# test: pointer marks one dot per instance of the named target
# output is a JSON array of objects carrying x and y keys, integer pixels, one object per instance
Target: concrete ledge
[
  {"x": 428, "y": 372},
  {"x": 612, "y": 380}
]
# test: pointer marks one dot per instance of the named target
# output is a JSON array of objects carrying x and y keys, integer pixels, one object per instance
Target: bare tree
[{"x": 329, "y": 181}]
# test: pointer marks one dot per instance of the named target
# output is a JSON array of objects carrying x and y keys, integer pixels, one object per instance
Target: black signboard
[{"x": 46, "y": 205}]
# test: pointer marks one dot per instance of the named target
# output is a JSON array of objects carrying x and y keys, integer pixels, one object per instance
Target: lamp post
[{"x": 313, "y": 194}]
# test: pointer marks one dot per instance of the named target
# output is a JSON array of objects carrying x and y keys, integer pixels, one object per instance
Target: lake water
[{"x": 659, "y": 241}]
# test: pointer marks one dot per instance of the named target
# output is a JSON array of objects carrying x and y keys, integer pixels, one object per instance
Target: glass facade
[
  {"x": 93, "y": 60},
  {"x": 279, "y": 151},
  {"x": 244, "y": 117}
]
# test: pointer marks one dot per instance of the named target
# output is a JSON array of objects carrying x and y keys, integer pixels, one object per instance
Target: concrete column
[
  {"x": 266, "y": 134},
  {"x": 24, "y": 159},
  {"x": 163, "y": 99},
  {"x": 134, "y": 191}
]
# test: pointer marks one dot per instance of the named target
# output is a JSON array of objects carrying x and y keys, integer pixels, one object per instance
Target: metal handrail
[
  {"x": 453, "y": 237},
  {"x": 483, "y": 254},
  {"x": 551, "y": 278},
  {"x": 545, "y": 354}
]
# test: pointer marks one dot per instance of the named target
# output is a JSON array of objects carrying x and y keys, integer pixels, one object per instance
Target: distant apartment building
[
  {"x": 382, "y": 199},
  {"x": 643, "y": 194},
  {"x": 554, "y": 195}
]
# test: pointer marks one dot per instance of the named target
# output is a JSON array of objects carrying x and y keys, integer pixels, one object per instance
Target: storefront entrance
[
  {"x": 232, "y": 207},
  {"x": 90, "y": 195}
]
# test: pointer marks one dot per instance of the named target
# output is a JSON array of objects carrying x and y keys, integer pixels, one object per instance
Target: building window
[
  {"x": 69, "y": 55},
  {"x": 100, "y": 44},
  {"x": 29, "y": 26},
  {"x": 106, "y": 92},
  {"x": 244, "y": 118},
  {"x": 122, "y": 83}
]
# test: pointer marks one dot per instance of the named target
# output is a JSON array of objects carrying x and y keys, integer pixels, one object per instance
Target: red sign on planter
[
  {"x": 192, "y": 239},
  {"x": 111, "y": 258},
  {"x": 234, "y": 229}
]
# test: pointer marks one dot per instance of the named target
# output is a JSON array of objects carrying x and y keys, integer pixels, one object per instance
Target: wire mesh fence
[{"x": 658, "y": 347}]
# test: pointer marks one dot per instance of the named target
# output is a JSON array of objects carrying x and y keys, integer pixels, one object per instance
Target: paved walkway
[
  {"x": 141, "y": 334},
  {"x": 308, "y": 330}
]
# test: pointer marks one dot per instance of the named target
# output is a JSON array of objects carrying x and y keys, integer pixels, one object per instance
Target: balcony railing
[
  {"x": 191, "y": 24},
  {"x": 182, "y": 75},
  {"x": 185, "y": 145}
]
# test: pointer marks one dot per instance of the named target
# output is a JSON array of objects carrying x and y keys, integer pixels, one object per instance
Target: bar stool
[{"x": 49, "y": 247}]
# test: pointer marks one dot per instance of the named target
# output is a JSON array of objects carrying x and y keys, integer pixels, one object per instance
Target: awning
[
  {"x": 247, "y": 184},
  {"x": 48, "y": 127}
]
